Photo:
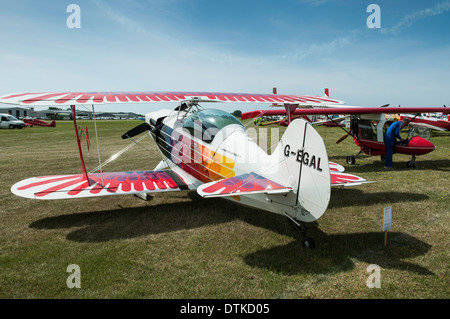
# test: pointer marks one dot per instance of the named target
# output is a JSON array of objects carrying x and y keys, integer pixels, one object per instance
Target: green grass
[{"x": 182, "y": 246}]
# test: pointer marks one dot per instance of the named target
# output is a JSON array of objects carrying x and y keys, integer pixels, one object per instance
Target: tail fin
[{"x": 302, "y": 163}]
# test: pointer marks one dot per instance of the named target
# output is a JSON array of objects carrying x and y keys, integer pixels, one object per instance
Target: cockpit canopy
[{"x": 205, "y": 124}]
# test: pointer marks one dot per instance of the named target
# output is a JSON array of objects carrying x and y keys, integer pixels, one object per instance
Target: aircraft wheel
[
  {"x": 309, "y": 243},
  {"x": 351, "y": 160}
]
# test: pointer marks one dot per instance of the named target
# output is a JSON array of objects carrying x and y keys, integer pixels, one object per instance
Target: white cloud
[
  {"x": 410, "y": 19},
  {"x": 122, "y": 20},
  {"x": 315, "y": 50}
]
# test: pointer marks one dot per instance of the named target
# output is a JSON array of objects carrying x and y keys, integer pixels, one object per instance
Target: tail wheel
[{"x": 309, "y": 243}]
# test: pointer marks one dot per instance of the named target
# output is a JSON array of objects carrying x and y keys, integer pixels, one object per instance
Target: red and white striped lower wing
[{"x": 100, "y": 184}]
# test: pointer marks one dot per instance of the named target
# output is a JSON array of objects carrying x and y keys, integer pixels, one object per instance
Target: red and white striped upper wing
[{"x": 75, "y": 98}]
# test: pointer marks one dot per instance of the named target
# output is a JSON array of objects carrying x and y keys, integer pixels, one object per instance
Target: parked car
[{"x": 9, "y": 121}]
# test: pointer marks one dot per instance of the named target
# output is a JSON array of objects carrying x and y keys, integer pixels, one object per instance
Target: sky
[{"x": 245, "y": 46}]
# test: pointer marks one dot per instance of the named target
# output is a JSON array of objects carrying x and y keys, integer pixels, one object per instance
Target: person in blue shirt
[{"x": 390, "y": 138}]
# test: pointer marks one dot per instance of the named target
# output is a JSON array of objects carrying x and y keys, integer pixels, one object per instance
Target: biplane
[
  {"x": 37, "y": 122},
  {"x": 207, "y": 150}
]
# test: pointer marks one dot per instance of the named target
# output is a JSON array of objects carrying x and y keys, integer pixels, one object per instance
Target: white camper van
[{"x": 9, "y": 121}]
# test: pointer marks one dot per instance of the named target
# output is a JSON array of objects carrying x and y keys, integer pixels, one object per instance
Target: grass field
[{"x": 179, "y": 245}]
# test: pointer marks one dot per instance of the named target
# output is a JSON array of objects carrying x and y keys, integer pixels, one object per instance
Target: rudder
[{"x": 302, "y": 163}]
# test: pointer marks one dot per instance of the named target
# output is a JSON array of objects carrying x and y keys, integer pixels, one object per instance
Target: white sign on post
[{"x": 387, "y": 218}]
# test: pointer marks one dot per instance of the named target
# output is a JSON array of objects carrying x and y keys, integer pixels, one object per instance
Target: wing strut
[
  {"x": 98, "y": 145},
  {"x": 83, "y": 166}
]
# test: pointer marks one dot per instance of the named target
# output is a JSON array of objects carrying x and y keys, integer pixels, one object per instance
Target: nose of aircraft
[{"x": 420, "y": 146}]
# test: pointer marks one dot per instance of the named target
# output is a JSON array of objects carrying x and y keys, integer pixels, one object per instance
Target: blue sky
[{"x": 300, "y": 47}]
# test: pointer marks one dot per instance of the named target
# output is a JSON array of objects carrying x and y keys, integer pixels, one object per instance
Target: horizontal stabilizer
[
  {"x": 336, "y": 168},
  {"x": 339, "y": 178},
  {"x": 245, "y": 184},
  {"x": 100, "y": 184},
  {"x": 344, "y": 179}
]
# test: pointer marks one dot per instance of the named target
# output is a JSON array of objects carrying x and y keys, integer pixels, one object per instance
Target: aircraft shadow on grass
[
  {"x": 357, "y": 197},
  {"x": 337, "y": 253},
  {"x": 334, "y": 253}
]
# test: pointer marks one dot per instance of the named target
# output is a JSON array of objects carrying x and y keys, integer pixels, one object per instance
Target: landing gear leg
[
  {"x": 411, "y": 163},
  {"x": 307, "y": 241},
  {"x": 144, "y": 196}
]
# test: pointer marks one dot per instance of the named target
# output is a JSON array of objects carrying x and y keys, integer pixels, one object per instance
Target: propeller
[
  {"x": 137, "y": 130},
  {"x": 342, "y": 138}
]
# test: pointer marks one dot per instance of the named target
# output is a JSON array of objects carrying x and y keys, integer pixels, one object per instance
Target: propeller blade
[
  {"x": 342, "y": 138},
  {"x": 136, "y": 130}
]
